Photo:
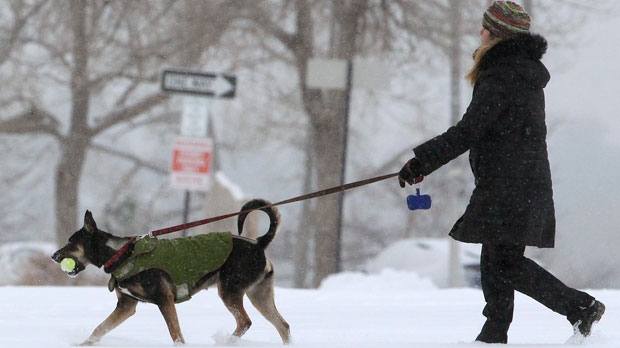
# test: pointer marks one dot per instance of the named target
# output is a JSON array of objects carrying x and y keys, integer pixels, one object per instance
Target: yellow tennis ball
[{"x": 67, "y": 264}]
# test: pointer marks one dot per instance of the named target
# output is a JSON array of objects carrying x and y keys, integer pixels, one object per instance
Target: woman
[{"x": 511, "y": 206}]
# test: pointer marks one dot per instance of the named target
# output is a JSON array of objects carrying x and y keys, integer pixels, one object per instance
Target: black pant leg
[
  {"x": 498, "y": 294},
  {"x": 526, "y": 276}
]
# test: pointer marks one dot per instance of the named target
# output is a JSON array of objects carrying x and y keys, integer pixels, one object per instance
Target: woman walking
[{"x": 512, "y": 205}]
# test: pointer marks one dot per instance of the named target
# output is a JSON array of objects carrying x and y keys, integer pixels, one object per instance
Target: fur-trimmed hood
[{"x": 518, "y": 57}]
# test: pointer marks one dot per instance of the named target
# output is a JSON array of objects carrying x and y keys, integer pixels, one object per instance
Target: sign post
[{"x": 192, "y": 152}]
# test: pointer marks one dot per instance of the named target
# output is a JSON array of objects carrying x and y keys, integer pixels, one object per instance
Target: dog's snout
[{"x": 56, "y": 256}]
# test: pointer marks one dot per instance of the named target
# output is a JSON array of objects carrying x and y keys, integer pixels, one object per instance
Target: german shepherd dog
[{"x": 245, "y": 271}]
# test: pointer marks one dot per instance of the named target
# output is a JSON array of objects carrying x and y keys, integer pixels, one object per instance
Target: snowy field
[{"x": 392, "y": 309}]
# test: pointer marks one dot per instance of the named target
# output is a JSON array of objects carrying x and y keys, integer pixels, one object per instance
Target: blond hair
[{"x": 473, "y": 74}]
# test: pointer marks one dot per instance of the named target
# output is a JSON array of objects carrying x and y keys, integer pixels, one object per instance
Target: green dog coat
[{"x": 186, "y": 260}]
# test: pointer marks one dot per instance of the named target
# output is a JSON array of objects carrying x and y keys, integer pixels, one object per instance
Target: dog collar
[{"x": 120, "y": 256}]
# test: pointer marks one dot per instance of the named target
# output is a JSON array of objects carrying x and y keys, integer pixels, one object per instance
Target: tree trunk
[
  {"x": 68, "y": 176},
  {"x": 329, "y": 148},
  {"x": 74, "y": 146},
  {"x": 328, "y": 157}
]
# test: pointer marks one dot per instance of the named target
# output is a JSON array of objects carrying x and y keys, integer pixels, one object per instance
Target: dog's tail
[{"x": 274, "y": 220}]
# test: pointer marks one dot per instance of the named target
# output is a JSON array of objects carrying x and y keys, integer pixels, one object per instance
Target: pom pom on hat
[{"x": 506, "y": 19}]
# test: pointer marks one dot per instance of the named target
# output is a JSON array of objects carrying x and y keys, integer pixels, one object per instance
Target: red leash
[{"x": 116, "y": 259}]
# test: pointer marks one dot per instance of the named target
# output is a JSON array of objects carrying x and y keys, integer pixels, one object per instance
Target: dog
[{"x": 244, "y": 271}]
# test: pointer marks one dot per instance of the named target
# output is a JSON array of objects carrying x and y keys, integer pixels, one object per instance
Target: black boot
[
  {"x": 583, "y": 319},
  {"x": 493, "y": 332}
]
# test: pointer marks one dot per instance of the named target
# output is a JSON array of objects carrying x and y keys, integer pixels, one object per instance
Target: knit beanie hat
[{"x": 506, "y": 19}]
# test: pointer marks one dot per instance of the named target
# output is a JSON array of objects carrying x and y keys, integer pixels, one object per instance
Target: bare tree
[{"x": 105, "y": 58}]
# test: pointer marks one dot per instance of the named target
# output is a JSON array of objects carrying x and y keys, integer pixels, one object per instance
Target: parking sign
[{"x": 191, "y": 160}]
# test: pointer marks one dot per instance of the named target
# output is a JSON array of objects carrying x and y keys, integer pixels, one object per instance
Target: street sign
[
  {"x": 326, "y": 73},
  {"x": 217, "y": 85},
  {"x": 191, "y": 161},
  {"x": 195, "y": 116},
  {"x": 371, "y": 74},
  {"x": 332, "y": 74}
]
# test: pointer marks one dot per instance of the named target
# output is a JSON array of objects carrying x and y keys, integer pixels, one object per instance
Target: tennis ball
[{"x": 67, "y": 264}]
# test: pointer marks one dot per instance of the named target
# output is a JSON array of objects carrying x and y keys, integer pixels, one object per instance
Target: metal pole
[
  {"x": 454, "y": 262},
  {"x": 186, "y": 205},
  {"x": 345, "y": 138}
]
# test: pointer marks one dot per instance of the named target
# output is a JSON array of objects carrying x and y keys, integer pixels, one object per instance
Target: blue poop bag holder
[{"x": 418, "y": 201}]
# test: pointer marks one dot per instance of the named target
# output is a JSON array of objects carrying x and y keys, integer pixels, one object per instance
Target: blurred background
[{"x": 302, "y": 95}]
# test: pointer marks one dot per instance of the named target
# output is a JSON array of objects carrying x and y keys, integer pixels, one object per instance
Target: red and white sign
[{"x": 191, "y": 159}]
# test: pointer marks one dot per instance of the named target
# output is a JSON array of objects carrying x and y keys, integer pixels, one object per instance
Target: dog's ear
[{"x": 89, "y": 223}]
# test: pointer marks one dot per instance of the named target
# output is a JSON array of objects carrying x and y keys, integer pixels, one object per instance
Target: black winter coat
[{"x": 504, "y": 130}]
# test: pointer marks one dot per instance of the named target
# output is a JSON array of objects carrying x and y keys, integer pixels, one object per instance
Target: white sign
[
  {"x": 332, "y": 74},
  {"x": 195, "y": 116},
  {"x": 191, "y": 161},
  {"x": 326, "y": 73},
  {"x": 200, "y": 83},
  {"x": 371, "y": 74}
]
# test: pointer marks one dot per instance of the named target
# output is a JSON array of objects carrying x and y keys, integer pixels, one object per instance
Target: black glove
[{"x": 411, "y": 173}]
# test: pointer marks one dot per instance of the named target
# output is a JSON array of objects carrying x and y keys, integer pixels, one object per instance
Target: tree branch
[
  {"x": 127, "y": 113},
  {"x": 34, "y": 120},
  {"x": 136, "y": 160}
]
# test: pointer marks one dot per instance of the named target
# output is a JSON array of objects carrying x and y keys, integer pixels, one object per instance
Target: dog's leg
[
  {"x": 169, "y": 311},
  {"x": 125, "y": 308},
  {"x": 234, "y": 303},
  {"x": 262, "y": 297}
]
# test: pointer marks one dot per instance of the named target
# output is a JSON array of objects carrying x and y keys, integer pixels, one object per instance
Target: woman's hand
[{"x": 411, "y": 173}]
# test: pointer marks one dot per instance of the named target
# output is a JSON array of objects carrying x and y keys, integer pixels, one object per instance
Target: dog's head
[{"x": 81, "y": 246}]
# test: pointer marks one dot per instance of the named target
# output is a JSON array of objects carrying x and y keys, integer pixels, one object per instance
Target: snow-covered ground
[{"x": 384, "y": 310}]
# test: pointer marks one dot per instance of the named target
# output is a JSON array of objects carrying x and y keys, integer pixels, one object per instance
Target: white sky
[{"x": 587, "y": 88}]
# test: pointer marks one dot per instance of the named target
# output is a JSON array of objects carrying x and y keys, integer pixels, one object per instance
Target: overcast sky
[{"x": 585, "y": 84}]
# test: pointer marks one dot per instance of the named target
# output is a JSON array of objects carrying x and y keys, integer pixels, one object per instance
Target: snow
[
  {"x": 14, "y": 255},
  {"x": 234, "y": 189},
  {"x": 427, "y": 257},
  {"x": 383, "y": 310}
]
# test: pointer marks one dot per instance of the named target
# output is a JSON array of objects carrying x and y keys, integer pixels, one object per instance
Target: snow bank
[
  {"x": 234, "y": 189},
  {"x": 20, "y": 259},
  {"x": 385, "y": 280},
  {"x": 428, "y": 257},
  {"x": 29, "y": 263}
]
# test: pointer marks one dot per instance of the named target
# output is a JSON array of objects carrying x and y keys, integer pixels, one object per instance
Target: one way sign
[{"x": 199, "y": 83}]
